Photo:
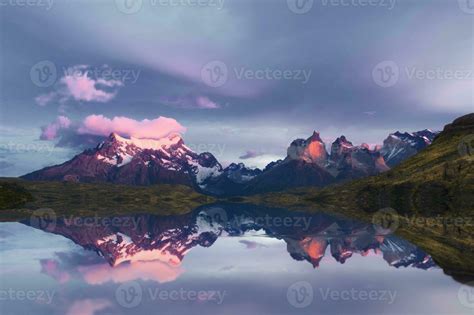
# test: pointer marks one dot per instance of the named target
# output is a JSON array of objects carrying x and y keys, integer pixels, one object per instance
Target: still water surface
[{"x": 219, "y": 259}]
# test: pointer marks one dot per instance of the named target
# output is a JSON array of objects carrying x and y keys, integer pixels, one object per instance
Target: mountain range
[{"x": 169, "y": 161}]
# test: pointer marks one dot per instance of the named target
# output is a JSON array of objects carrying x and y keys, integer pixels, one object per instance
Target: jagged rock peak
[{"x": 315, "y": 137}]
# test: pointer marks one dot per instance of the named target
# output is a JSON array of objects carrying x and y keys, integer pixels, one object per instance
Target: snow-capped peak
[{"x": 152, "y": 144}]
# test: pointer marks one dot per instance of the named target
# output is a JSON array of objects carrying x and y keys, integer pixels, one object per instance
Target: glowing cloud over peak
[{"x": 150, "y": 129}]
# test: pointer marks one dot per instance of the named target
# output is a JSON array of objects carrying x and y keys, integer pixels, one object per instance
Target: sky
[{"x": 238, "y": 78}]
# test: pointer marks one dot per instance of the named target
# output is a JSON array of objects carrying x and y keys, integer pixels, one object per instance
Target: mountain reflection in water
[
  {"x": 218, "y": 259},
  {"x": 153, "y": 247}
]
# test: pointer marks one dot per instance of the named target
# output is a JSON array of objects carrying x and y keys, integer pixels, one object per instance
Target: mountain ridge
[{"x": 169, "y": 161}]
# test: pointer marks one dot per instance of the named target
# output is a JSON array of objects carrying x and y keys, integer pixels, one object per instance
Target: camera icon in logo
[
  {"x": 214, "y": 73},
  {"x": 214, "y": 216},
  {"x": 300, "y": 6},
  {"x": 386, "y": 73},
  {"x": 386, "y": 221},
  {"x": 44, "y": 73},
  {"x": 466, "y": 295},
  {"x": 300, "y": 294},
  {"x": 44, "y": 219},
  {"x": 129, "y": 294},
  {"x": 129, "y": 6},
  {"x": 466, "y": 6}
]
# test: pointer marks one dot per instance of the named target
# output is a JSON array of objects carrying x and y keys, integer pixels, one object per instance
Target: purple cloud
[
  {"x": 251, "y": 244},
  {"x": 250, "y": 154},
  {"x": 190, "y": 102},
  {"x": 94, "y": 128},
  {"x": 78, "y": 84},
  {"x": 50, "y": 131}
]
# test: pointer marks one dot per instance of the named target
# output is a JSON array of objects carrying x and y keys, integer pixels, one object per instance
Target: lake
[{"x": 219, "y": 259}]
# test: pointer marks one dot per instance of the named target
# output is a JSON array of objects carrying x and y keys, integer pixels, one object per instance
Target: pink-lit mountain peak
[
  {"x": 144, "y": 143},
  {"x": 311, "y": 150}
]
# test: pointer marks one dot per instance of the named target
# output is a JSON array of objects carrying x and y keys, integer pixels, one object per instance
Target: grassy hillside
[
  {"x": 18, "y": 198},
  {"x": 432, "y": 194},
  {"x": 438, "y": 180}
]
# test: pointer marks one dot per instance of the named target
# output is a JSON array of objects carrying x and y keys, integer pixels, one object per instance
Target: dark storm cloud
[{"x": 250, "y": 154}]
